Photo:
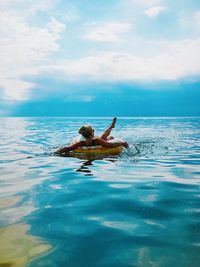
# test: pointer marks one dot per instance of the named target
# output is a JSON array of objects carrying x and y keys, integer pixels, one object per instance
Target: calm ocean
[{"x": 141, "y": 208}]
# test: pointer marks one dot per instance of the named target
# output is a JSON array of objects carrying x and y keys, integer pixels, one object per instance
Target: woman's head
[{"x": 86, "y": 131}]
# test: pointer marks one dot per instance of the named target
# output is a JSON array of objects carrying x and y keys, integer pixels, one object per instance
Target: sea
[{"x": 140, "y": 208}]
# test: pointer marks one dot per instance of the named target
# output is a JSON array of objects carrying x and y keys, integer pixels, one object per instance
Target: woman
[{"x": 89, "y": 139}]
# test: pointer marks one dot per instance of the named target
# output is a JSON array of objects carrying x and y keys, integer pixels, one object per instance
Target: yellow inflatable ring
[{"x": 99, "y": 150}]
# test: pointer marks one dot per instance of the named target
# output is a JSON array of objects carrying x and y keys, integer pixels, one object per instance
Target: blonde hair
[{"x": 86, "y": 131}]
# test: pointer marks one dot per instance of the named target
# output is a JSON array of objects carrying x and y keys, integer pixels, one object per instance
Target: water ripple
[{"x": 138, "y": 209}]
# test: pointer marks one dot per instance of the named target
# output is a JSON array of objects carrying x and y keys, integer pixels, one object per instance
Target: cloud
[
  {"x": 153, "y": 12},
  {"x": 30, "y": 33},
  {"x": 175, "y": 60},
  {"x": 79, "y": 98},
  {"x": 40, "y": 8},
  {"x": 22, "y": 49},
  {"x": 147, "y": 3},
  {"x": 15, "y": 88},
  {"x": 150, "y": 2},
  {"x": 110, "y": 32}
]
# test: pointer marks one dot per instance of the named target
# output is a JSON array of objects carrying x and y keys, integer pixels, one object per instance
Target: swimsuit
[{"x": 93, "y": 143}]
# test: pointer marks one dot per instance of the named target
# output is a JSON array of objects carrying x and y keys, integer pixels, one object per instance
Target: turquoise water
[{"x": 139, "y": 209}]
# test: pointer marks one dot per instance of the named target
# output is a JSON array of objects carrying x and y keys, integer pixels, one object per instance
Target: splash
[{"x": 145, "y": 149}]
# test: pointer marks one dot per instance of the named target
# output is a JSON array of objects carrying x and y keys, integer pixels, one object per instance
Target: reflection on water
[
  {"x": 139, "y": 209},
  {"x": 17, "y": 247},
  {"x": 85, "y": 167}
]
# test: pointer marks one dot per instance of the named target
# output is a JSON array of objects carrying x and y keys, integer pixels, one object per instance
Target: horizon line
[{"x": 100, "y": 117}]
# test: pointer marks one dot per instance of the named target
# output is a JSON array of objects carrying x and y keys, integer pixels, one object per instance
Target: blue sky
[{"x": 99, "y": 58}]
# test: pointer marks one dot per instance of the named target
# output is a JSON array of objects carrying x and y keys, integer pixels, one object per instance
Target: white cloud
[
  {"x": 153, "y": 12},
  {"x": 107, "y": 32},
  {"x": 22, "y": 49},
  {"x": 42, "y": 5},
  {"x": 79, "y": 98},
  {"x": 147, "y": 3},
  {"x": 26, "y": 49},
  {"x": 31, "y": 7},
  {"x": 174, "y": 61},
  {"x": 15, "y": 88},
  {"x": 151, "y": 2}
]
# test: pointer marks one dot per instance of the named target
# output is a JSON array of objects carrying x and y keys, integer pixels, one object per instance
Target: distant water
[{"x": 139, "y": 209}]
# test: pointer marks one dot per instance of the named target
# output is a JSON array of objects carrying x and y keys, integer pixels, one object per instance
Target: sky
[{"x": 99, "y": 58}]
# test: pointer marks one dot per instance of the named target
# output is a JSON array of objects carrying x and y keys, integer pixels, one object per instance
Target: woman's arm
[
  {"x": 104, "y": 143},
  {"x": 70, "y": 148}
]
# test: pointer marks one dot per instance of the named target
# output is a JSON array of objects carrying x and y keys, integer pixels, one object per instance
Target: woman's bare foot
[{"x": 113, "y": 122}]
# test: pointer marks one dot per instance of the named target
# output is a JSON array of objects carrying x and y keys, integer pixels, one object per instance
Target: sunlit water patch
[{"x": 140, "y": 208}]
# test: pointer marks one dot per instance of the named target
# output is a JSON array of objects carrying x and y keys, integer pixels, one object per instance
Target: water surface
[{"x": 141, "y": 208}]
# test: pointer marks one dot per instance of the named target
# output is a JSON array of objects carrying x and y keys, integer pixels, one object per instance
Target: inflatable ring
[{"x": 98, "y": 150}]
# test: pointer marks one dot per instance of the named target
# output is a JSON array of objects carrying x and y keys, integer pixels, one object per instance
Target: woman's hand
[
  {"x": 70, "y": 148},
  {"x": 125, "y": 144}
]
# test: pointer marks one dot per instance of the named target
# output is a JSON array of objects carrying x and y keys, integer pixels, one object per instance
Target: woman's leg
[{"x": 105, "y": 135}]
